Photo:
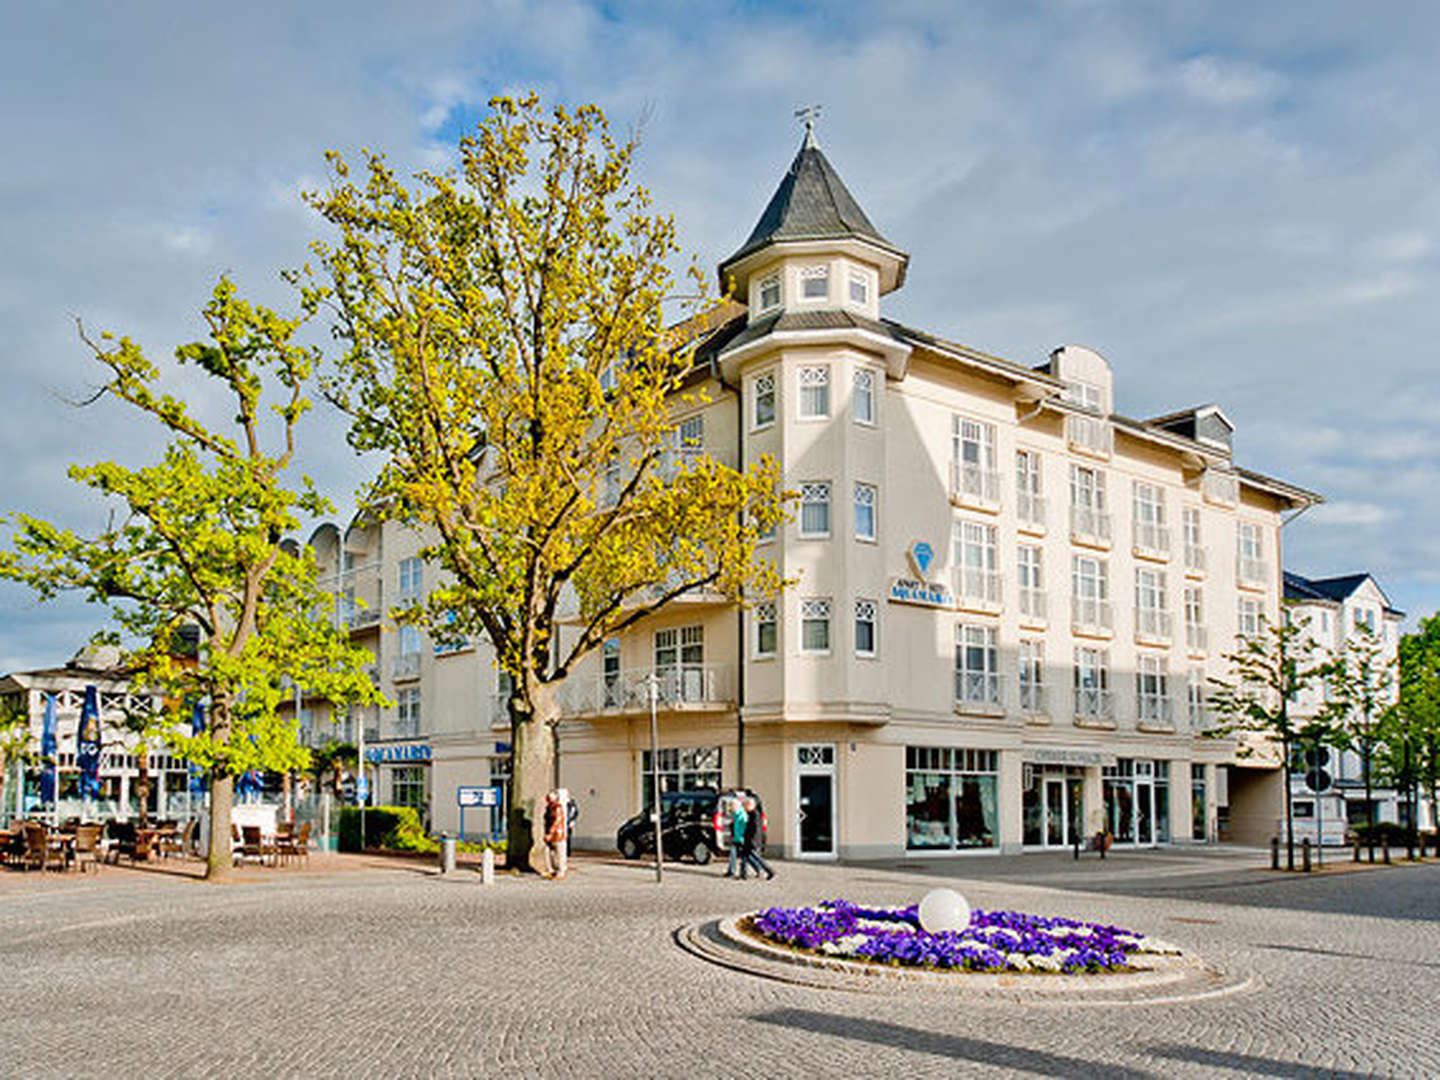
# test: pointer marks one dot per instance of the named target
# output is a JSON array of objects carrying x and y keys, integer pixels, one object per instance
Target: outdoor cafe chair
[
  {"x": 87, "y": 846},
  {"x": 35, "y": 845},
  {"x": 252, "y": 844},
  {"x": 292, "y": 845}
]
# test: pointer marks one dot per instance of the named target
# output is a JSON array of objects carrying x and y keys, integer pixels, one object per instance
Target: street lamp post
[{"x": 654, "y": 685}]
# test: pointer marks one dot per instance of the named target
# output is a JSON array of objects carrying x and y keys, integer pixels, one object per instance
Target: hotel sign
[
  {"x": 1060, "y": 755},
  {"x": 386, "y": 754},
  {"x": 924, "y": 593}
]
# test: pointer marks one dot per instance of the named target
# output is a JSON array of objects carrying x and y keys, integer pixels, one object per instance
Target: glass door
[
  {"x": 815, "y": 809},
  {"x": 1056, "y": 812}
]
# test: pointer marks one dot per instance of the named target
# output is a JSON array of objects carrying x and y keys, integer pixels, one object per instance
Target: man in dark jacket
[{"x": 750, "y": 846}]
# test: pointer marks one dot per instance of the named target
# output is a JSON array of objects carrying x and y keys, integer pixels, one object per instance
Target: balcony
[
  {"x": 1090, "y": 526},
  {"x": 1032, "y": 606},
  {"x": 362, "y": 618},
  {"x": 1219, "y": 488},
  {"x": 363, "y": 719},
  {"x": 974, "y": 487},
  {"x": 1032, "y": 699},
  {"x": 1091, "y": 617},
  {"x": 1152, "y": 626},
  {"x": 697, "y": 687},
  {"x": 1094, "y": 707},
  {"x": 1030, "y": 510},
  {"x": 1251, "y": 573},
  {"x": 1089, "y": 435},
  {"x": 977, "y": 590},
  {"x": 1152, "y": 541},
  {"x": 405, "y": 667},
  {"x": 1197, "y": 639},
  {"x": 1194, "y": 561},
  {"x": 1156, "y": 712}
]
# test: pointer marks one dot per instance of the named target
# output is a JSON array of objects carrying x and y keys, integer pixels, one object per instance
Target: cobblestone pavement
[{"x": 390, "y": 970}]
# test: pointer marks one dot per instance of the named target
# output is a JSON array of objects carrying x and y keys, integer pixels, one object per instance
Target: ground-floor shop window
[
  {"x": 951, "y": 798},
  {"x": 1052, "y": 804},
  {"x": 1137, "y": 801},
  {"x": 681, "y": 769},
  {"x": 1197, "y": 802},
  {"x": 407, "y": 786}
]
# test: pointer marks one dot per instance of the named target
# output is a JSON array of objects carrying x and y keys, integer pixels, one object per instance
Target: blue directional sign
[{"x": 470, "y": 795}]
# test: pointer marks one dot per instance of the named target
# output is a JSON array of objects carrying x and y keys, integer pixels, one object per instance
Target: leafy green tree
[
  {"x": 199, "y": 543},
  {"x": 1362, "y": 687},
  {"x": 506, "y": 352},
  {"x": 16, "y": 742},
  {"x": 1417, "y": 716},
  {"x": 1268, "y": 673}
]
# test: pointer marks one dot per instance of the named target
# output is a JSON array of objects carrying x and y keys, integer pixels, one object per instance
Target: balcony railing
[
  {"x": 1156, "y": 709},
  {"x": 365, "y": 718},
  {"x": 681, "y": 686},
  {"x": 1194, "y": 559},
  {"x": 405, "y": 666},
  {"x": 1252, "y": 571},
  {"x": 1197, "y": 638},
  {"x": 1089, "y": 434},
  {"x": 1153, "y": 624},
  {"x": 1094, "y": 705},
  {"x": 1089, "y": 615},
  {"x": 1032, "y": 603},
  {"x": 1089, "y": 525},
  {"x": 1030, "y": 508},
  {"x": 977, "y": 588},
  {"x": 977, "y": 688},
  {"x": 1032, "y": 698},
  {"x": 973, "y": 485},
  {"x": 1152, "y": 539},
  {"x": 360, "y": 618}
]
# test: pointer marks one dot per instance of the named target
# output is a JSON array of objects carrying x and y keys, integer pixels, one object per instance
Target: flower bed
[{"x": 995, "y": 941}]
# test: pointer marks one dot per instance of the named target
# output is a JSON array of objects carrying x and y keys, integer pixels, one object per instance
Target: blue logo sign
[
  {"x": 412, "y": 752},
  {"x": 921, "y": 556},
  {"x": 468, "y": 795}
]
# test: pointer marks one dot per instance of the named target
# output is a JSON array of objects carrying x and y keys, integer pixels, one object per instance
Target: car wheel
[
  {"x": 629, "y": 848},
  {"x": 701, "y": 853}
]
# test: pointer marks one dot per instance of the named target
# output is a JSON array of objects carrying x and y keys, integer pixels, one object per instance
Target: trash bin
[{"x": 447, "y": 853}]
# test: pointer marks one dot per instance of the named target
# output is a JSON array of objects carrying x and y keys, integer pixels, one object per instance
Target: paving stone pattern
[{"x": 400, "y": 972}]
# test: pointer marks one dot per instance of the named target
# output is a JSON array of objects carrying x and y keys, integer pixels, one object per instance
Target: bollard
[
  {"x": 1357, "y": 850},
  {"x": 487, "y": 867},
  {"x": 447, "y": 853},
  {"x": 1305, "y": 854},
  {"x": 1274, "y": 853},
  {"x": 1385, "y": 849}
]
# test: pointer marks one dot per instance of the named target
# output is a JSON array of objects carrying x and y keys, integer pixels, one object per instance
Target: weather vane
[{"x": 809, "y": 114}]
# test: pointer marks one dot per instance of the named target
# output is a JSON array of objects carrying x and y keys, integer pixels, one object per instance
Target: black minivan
[{"x": 693, "y": 825}]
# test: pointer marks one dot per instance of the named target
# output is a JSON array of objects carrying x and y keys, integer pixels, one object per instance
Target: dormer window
[
  {"x": 859, "y": 288},
  {"x": 1086, "y": 395},
  {"x": 815, "y": 282},
  {"x": 770, "y": 292}
]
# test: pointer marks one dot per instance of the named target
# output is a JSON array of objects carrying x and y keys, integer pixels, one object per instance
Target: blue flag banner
[
  {"x": 250, "y": 785},
  {"x": 49, "y": 750},
  {"x": 87, "y": 745},
  {"x": 197, "y": 727}
]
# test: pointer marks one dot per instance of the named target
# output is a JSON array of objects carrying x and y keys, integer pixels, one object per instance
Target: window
[
  {"x": 1086, "y": 395},
  {"x": 1194, "y": 547},
  {"x": 814, "y": 392},
  {"x": 815, "y": 626},
  {"x": 1092, "y": 684},
  {"x": 815, "y": 282},
  {"x": 1197, "y": 802},
  {"x": 862, "y": 397},
  {"x": 972, "y": 452},
  {"x": 410, "y": 579},
  {"x": 1032, "y": 676},
  {"x": 1150, "y": 531},
  {"x": 1365, "y": 620},
  {"x": 1248, "y": 617},
  {"x": 1032, "y": 583},
  {"x": 1249, "y": 553},
  {"x": 693, "y": 768},
  {"x": 1195, "y": 636},
  {"x": 763, "y": 395},
  {"x": 1152, "y": 614},
  {"x": 409, "y": 641},
  {"x": 407, "y": 713},
  {"x": 769, "y": 292},
  {"x": 763, "y": 616},
  {"x": 1152, "y": 688},
  {"x": 864, "y": 511},
  {"x": 977, "y": 675},
  {"x": 951, "y": 799},
  {"x": 610, "y": 495},
  {"x": 610, "y": 673},
  {"x": 865, "y": 628},
  {"x": 977, "y": 576},
  {"x": 680, "y": 663},
  {"x": 690, "y": 440},
  {"x": 1029, "y": 496},
  {"x": 859, "y": 288},
  {"x": 1090, "y": 588},
  {"x": 407, "y": 786},
  {"x": 815, "y": 510},
  {"x": 1195, "y": 698},
  {"x": 1088, "y": 513}
]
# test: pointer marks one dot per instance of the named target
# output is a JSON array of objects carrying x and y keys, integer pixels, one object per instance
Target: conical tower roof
[{"x": 811, "y": 203}]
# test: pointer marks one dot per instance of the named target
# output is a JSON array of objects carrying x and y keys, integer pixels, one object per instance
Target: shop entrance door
[
  {"x": 815, "y": 802},
  {"x": 1057, "y": 812}
]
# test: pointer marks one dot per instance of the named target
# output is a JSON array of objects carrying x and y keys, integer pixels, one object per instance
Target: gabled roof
[
  {"x": 1336, "y": 589},
  {"x": 811, "y": 203}
]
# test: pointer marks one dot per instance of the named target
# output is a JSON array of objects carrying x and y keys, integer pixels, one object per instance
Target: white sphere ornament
[{"x": 942, "y": 910}]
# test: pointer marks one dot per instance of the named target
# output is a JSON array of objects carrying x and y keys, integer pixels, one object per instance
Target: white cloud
[
  {"x": 1216, "y": 80},
  {"x": 1351, "y": 513}
]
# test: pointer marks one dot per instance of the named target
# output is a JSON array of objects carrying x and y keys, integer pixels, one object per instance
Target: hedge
[{"x": 395, "y": 827}]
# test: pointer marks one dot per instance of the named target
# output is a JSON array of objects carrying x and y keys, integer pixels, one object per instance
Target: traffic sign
[
  {"x": 1317, "y": 757},
  {"x": 469, "y": 795},
  {"x": 1317, "y": 780},
  {"x": 362, "y": 789}
]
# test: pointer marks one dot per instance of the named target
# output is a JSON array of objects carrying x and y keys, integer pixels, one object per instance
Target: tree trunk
[
  {"x": 1369, "y": 802},
  {"x": 532, "y": 751},
  {"x": 219, "y": 862},
  {"x": 1289, "y": 816},
  {"x": 142, "y": 785}
]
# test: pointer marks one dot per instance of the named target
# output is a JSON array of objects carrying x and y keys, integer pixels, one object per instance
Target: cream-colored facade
[{"x": 1005, "y": 602}]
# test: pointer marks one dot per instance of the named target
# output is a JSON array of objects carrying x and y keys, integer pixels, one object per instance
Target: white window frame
[
  {"x": 407, "y": 712},
  {"x": 867, "y": 506},
  {"x": 858, "y": 280},
  {"x": 766, "y": 283},
  {"x": 1248, "y": 613},
  {"x": 867, "y": 612},
  {"x": 1092, "y": 681},
  {"x": 977, "y": 684},
  {"x": 1031, "y": 676},
  {"x": 863, "y": 389},
  {"x": 814, "y": 493},
  {"x": 1029, "y": 486},
  {"x": 410, "y": 642},
  {"x": 1152, "y": 686},
  {"x": 976, "y": 558},
  {"x": 763, "y": 388},
  {"x": 810, "y": 274},
  {"x": 412, "y": 578},
  {"x": 690, "y": 439},
  {"x": 761, "y": 616},
  {"x": 815, "y": 611},
  {"x": 813, "y": 384}
]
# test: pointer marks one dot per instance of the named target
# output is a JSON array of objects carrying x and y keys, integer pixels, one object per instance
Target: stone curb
[{"x": 1169, "y": 978}]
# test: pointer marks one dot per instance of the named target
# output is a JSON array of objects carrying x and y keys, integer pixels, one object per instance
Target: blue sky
[{"x": 1235, "y": 204}]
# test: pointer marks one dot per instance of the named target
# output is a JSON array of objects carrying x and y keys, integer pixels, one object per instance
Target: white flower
[{"x": 1155, "y": 945}]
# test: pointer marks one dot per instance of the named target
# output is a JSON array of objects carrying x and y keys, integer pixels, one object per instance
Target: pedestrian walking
[
  {"x": 738, "y": 818},
  {"x": 750, "y": 848},
  {"x": 555, "y": 836}
]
